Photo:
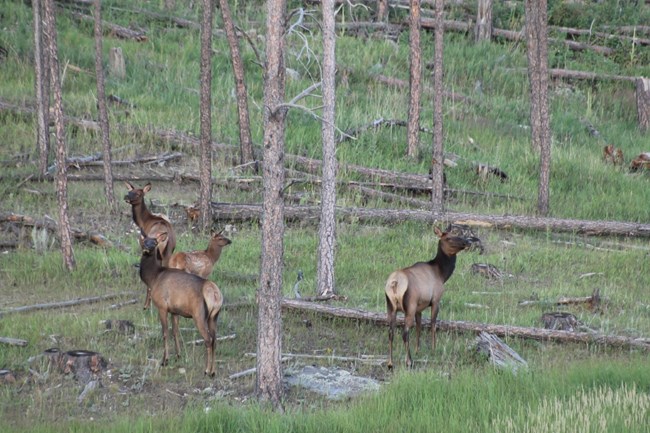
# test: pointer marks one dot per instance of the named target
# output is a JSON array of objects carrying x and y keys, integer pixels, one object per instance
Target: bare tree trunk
[
  {"x": 437, "y": 165},
  {"x": 537, "y": 41},
  {"x": 413, "y": 127},
  {"x": 643, "y": 103},
  {"x": 382, "y": 10},
  {"x": 42, "y": 86},
  {"x": 245, "y": 139},
  {"x": 327, "y": 229},
  {"x": 483, "y": 27},
  {"x": 205, "y": 170},
  {"x": 269, "y": 294},
  {"x": 101, "y": 108},
  {"x": 61, "y": 179}
]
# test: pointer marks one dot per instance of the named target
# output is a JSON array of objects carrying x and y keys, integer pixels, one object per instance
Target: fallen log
[
  {"x": 114, "y": 29},
  {"x": 13, "y": 341},
  {"x": 51, "y": 225},
  {"x": 64, "y": 304},
  {"x": 248, "y": 212},
  {"x": 473, "y": 327},
  {"x": 498, "y": 352}
]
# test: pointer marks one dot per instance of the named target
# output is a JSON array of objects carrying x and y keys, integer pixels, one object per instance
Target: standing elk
[
  {"x": 202, "y": 262},
  {"x": 178, "y": 293},
  {"x": 150, "y": 225},
  {"x": 413, "y": 289}
]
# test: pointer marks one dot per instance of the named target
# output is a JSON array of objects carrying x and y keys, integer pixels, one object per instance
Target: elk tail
[
  {"x": 395, "y": 288},
  {"x": 213, "y": 298}
]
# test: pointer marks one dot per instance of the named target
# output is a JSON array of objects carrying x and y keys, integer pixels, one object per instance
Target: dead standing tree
[
  {"x": 437, "y": 190},
  {"x": 101, "y": 108},
  {"x": 61, "y": 178},
  {"x": 245, "y": 139},
  {"x": 415, "y": 80},
  {"x": 327, "y": 227},
  {"x": 268, "y": 385},
  {"x": 205, "y": 194},
  {"x": 42, "y": 87}
]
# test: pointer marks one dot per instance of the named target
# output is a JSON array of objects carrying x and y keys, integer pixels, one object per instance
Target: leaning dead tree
[
  {"x": 247, "y": 212},
  {"x": 473, "y": 327}
]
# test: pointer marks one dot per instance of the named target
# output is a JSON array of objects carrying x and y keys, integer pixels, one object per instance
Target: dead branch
[
  {"x": 114, "y": 29},
  {"x": 202, "y": 341},
  {"x": 13, "y": 341},
  {"x": 249, "y": 372},
  {"x": 473, "y": 327},
  {"x": 593, "y": 301},
  {"x": 365, "y": 359},
  {"x": 498, "y": 352},
  {"x": 64, "y": 304},
  {"x": 150, "y": 159}
]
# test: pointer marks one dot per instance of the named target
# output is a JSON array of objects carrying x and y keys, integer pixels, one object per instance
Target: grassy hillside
[{"x": 489, "y": 125}]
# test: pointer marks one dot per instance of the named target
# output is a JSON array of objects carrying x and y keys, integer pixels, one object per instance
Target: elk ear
[
  {"x": 147, "y": 188},
  {"x": 438, "y": 232},
  {"x": 141, "y": 239},
  {"x": 129, "y": 186},
  {"x": 161, "y": 237}
]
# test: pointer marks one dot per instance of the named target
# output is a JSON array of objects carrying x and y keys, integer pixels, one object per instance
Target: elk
[
  {"x": 613, "y": 155},
  {"x": 413, "y": 289},
  {"x": 150, "y": 224},
  {"x": 202, "y": 262},
  {"x": 178, "y": 293},
  {"x": 640, "y": 162}
]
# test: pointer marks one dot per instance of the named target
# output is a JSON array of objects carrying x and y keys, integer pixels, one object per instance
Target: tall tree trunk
[
  {"x": 382, "y": 10},
  {"x": 61, "y": 179},
  {"x": 483, "y": 26},
  {"x": 643, "y": 103},
  {"x": 437, "y": 166},
  {"x": 413, "y": 127},
  {"x": 205, "y": 170},
  {"x": 101, "y": 108},
  {"x": 245, "y": 139},
  {"x": 327, "y": 228},
  {"x": 537, "y": 41},
  {"x": 269, "y": 294},
  {"x": 42, "y": 86}
]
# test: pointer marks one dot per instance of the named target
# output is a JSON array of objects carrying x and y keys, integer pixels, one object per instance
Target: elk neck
[
  {"x": 214, "y": 251},
  {"x": 140, "y": 213},
  {"x": 150, "y": 267},
  {"x": 445, "y": 263}
]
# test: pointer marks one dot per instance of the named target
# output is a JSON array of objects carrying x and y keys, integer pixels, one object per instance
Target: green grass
[{"x": 453, "y": 389}]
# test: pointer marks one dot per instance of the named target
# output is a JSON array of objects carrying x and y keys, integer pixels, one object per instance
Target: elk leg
[
  {"x": 175, "y": 319},
  {"x": 434, "y": 314},
  {"x": 212, "y": 330},
  {"x": 418, "y": 328},
  {"x": 147, "y": 299},
  {"x": 392, "y": 319},
  {"x": 202, "y": 326},
  {"x": 165, "y": 333},
  {"x": 408, "y": 324}
]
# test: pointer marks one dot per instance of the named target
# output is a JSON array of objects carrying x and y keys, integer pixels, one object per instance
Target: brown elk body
[
  {"x": 411, "y": 290},
  {"x": 200, "y": 263},
  {"x": 613, "y": 155},
  {"x": 150, "y": 225},
  {"x": 178, "y": 293},
  {"x": 641, "y": 162}
]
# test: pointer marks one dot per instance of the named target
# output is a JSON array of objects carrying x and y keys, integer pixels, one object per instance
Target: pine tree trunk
[
  {"x": 438, "y": 89},
  {"x": 205, "y": 169},
  {"x": 102, "y": 110},
  {"x": 643, "y": 103},
  {"x": 382, "y": 10},
  {"x": 245, "y": 139},
  {"x": 42, "y": 86},
  {"x": 537, "y": 41},
  {"x": 269, "y": 294},
  {"x": 413, "y": 127},
  {"x": 327, "y": 229},
  {"x": 61, "y": 179}
]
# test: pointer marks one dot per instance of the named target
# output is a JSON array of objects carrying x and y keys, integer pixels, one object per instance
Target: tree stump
[
  {"x": 643, "y": 103},
  {"x": 83, "y": 364},
  {"x": 117, "y": 67},
  {"x": 7, "y": 377},
  {"x": 125, "y": 327},
  {"x": 560, "y": 321},
  {"x": 498, "y": 352}
]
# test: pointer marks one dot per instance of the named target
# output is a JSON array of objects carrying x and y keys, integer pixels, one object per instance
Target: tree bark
[
  {"x": 415, "y": 79},
  {"x": 643, "y": 103},
  {"x": 205, "y": 167},
  {"x": 101, "y": 108},
  {"x": 437, "y": 190},
  {"x": 537, "y": 42},
  {"x": 473, "y": 327},
  {"x": 269, "y": 325},
  {"x": 42, "y": 86},
  {"x": 382, "y": 10},
  {"x": 327, "y": 228},
  {"x": 248, "y": 212},
  {"x": 245, "y": 139},
  {"x": 61, "y": 179},
  {"x": 483, "y": 26}
]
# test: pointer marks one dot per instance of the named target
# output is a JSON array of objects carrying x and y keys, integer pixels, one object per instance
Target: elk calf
[
  {"x": 413, "y": 289},
  {"x": 150, "y": 225},
  {"x": 201, "y": 263},
  {"x": 178, "y": 293}
]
